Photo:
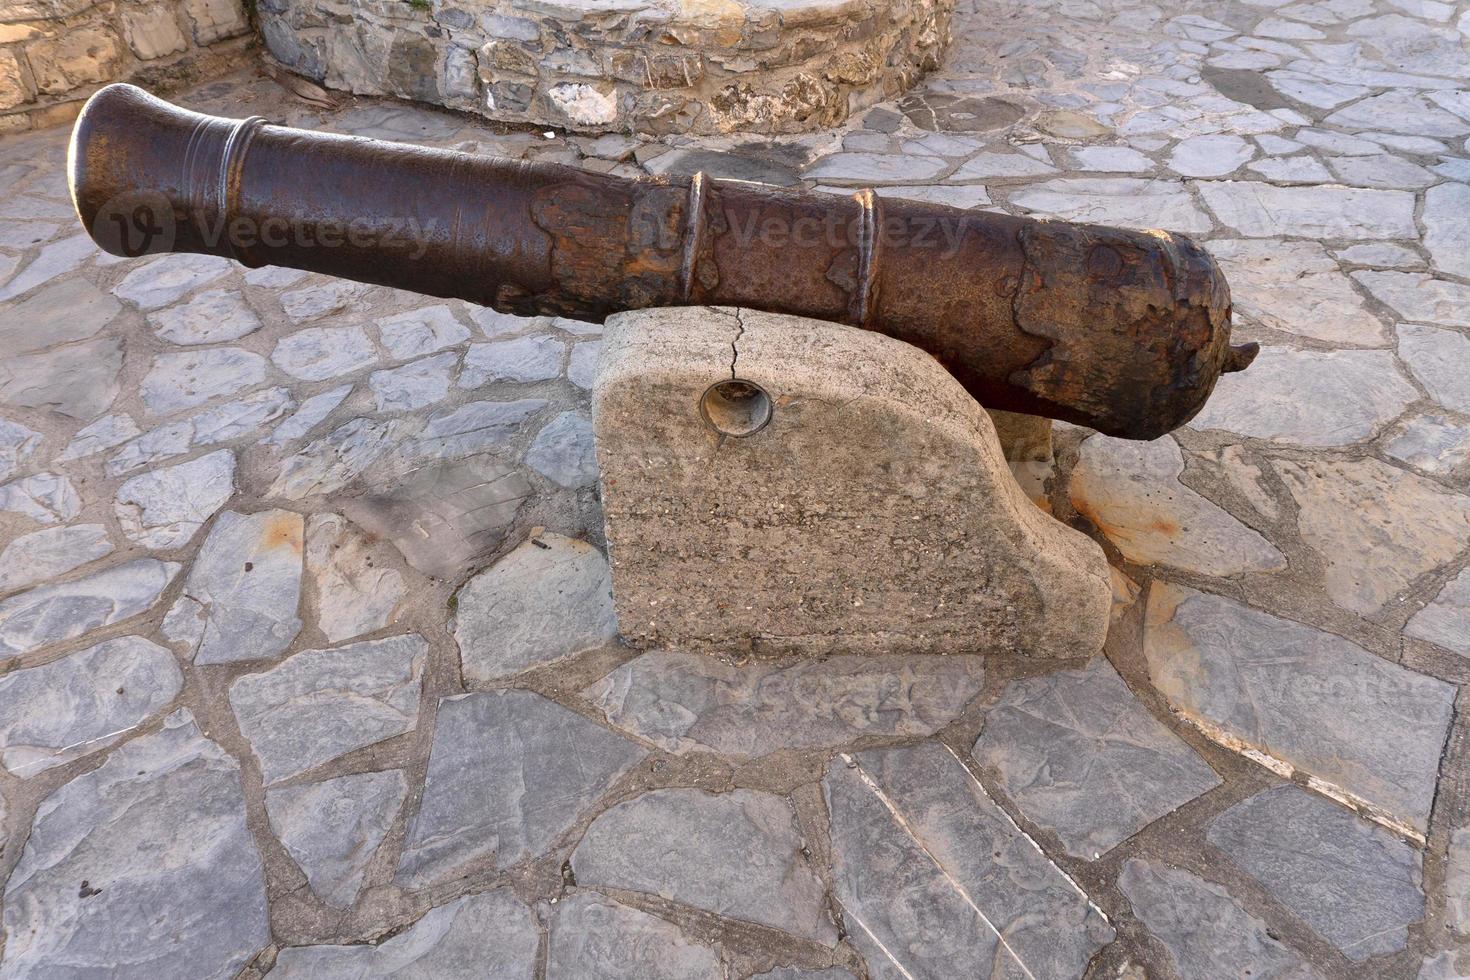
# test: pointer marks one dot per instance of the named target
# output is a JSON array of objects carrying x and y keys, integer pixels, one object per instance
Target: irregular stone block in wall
[
  {"x": 705, "y": 68},
  {"x": 936, "y": 881},
  {"x": 1310, "y": 700},
  {"x": 875, "y": 512}
]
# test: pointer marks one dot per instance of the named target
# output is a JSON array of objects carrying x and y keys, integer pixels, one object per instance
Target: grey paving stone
[
  {"x": 1437, "y": 357},
  {"x": 523, "y": 359},
  {"x": 308, "y": 415},
  {"x": 1259, "y": 210},
  {"x": 212, "y": 317},
  {"x": 876, "y": 168},
  {"x": 1446, "y": 620},
  {"x": 190, "y": 378},
  {"x": 1291, "y": 170},
  {"x": 1082, "y": 758},
  {"x": 444, "y": 517},
  {"x": 169, "y": 278},
  {"x": 164, "y": 508},
  {"x": 1131, "y": 491},
  {"x": 1400, "y": 112},
  {"x": 333, "y": 828},
  {"x": 17, "y": 444},
  {"x": 317, "y": 705},
  {"x": 490, "y": 935},
  {"x": 1297, "y": 287},
  {"x": 686, "y": 702},
  {"x": 415, "y": 385},
  {"x": 509, "y": 773},
  {"x": 563, "y": 451},
  {"x": 105, "y": 433},
  {"x": 1108, "y": 159},
  {"x": 495, "y": 324},
  {"x": 1419, "y": 296},
  {"x": 1383, "y": 170},
  {"x": 421, "y": 331},
  {"x": 70, "y": 707},
  {"x": 154, "y": 446},
  {"x": 1350, "y": 880},
  {"x": 1447, "y": 227},
  {"x": 1414, "y": 526},
  {"x": 246, "y": 582},
  {"x": 54, "y": 260},
  {"x": 738, "y": 854},
  {"x": 1310, "y": 398},
  {"x": 792, "y": 973},
  {"x": 1441, "y": 967},
  {"x": 1457, "y": 881},
  {"x": 1434, "y": 444},
  {"x": 582, "y": 365},
  {"x": 66, "y": 311},
  {"x": 357, "y": 592},
  {"x": 155, "y": 843},
  {"x": 311, "y": 302},
  {"x": 80, "y": 381},
  {"x": 987, "y": 166},
  {"x": 50, "y": 552},
  {"x": 1127, "y": 201},
  {"x": 548, "y": 599},
  {"x": 931, "y": 874},
  {"x": 319, "y": 353},
  {"x": 1318, "y": 702},
  {"x": 52, "y": 613},
  {"x": 1206, "y": 931},
  {"x": 46, "y": 498},
  {"x": 595, "y": 938},
  {"x": 330, "y": 463},
  {"x": 475, "y": 427},
  {"x": 242, "y": 417},
  {"x": 1210, "y": 156}
]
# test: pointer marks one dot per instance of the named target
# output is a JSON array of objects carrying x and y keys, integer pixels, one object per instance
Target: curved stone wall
[
  {"x": 652, "y": 66},
  {"x": 55, "y": 53}
]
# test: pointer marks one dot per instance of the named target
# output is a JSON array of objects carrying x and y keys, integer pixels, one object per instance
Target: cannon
[{"x": 1121, "y": 330}]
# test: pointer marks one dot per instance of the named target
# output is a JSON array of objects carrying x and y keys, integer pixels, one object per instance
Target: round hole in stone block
[{"x": 735, "y": 407}]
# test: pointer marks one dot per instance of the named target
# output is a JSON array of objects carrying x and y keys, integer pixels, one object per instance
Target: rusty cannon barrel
[{"x": 1121, "y": 330}]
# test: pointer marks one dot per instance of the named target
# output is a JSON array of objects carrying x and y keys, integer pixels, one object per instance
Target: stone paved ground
[{"x": 266, "y": 712}]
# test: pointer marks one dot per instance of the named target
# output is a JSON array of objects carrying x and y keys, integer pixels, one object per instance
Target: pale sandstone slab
[
  {"x": 874, "y": 459},
  {"x": 356, "y": 591},
  {"x": 1377, "y": 526},
  {"x": 738, "y": 854},
  {"x": 689, "y": 702},
  {"x": 931, "y": 872},
  {"x": 1131, "y": 491},
  {"x": 1313, "y": 701}
]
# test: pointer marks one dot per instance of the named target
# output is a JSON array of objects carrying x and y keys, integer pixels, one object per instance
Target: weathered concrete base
[{"x": 873, "y": 512}]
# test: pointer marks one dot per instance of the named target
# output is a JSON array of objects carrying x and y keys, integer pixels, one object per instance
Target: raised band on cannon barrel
[{"x": 1120, "y": 330}]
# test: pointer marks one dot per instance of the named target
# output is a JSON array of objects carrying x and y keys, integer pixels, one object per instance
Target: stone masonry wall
[
  {"x": 652, "y": 66},
  {"x": 55, "y": 53}
]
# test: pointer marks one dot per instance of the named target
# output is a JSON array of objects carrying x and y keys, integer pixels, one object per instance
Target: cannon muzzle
[{"x": 1121, "y": 330}]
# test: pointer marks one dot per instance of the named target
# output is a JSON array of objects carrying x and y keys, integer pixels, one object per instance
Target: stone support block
[{"x": 843, "y": 495}]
